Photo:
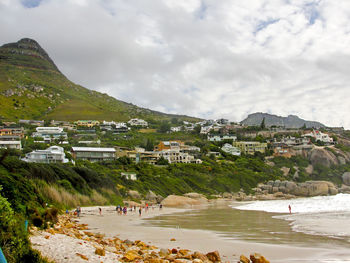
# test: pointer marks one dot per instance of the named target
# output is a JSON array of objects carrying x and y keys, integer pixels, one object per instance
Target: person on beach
[
  {"x": 125, "y": 210},
  {"x": 140, "y": 210},
  {"x": 78, "y": 211},
  {"x": 100, "y": 210},
  {"x": 290, "y": 209},
  {"x": 160, "y": 207}
]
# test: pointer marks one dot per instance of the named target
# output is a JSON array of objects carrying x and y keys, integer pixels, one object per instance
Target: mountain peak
[
  {"x": 292, "y": 121},
  {"x": 27, "y": 53}
]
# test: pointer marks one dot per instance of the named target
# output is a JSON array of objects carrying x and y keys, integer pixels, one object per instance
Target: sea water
[{"x": 322, "y": 215}]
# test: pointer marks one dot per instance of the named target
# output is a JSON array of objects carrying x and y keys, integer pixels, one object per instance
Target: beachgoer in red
[{"x": 290, "y": 209}]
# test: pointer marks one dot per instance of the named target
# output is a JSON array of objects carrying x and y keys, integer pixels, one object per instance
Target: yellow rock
[
  {"x": 82, "y": 256},
  {"x": 173, "y": 239},
  {"x": 100, "y": 251},
  {"x": 244, "y": 259},
  {"x": 131, "y": 256},
  {"x": 257, "y": 258}
]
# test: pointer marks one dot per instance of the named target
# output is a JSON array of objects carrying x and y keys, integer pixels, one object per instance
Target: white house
[
  {"x": 176, "y": 129},
  {"x": 219, "y": 138},
  {"x": 228, "y": 148},
  {"x": 53, "y": 154},
  {"x": 48, "y": 133},
  {"x": 138, "y": 122},
  {"x": 319, "y": 136},
  {"x": 206, "y": 129},
  {"x": 11, "y": 145}
]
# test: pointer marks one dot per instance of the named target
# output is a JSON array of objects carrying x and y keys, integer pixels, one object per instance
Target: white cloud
[{"x": 204, "y": 58}]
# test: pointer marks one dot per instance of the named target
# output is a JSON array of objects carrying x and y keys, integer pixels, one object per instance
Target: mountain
[
  {"x": 32, "y": 87},
  {"x": 291, "y": 121}
]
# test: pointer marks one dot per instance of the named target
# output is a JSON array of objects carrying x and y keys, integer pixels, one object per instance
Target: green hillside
[{"x": 32, "y": 87}]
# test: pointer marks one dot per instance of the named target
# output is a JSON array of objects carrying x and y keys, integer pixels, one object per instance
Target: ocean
[{"x": 322, "y": 223}]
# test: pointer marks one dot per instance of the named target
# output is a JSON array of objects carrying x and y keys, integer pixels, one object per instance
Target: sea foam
[{"x": 318, "y": 204}]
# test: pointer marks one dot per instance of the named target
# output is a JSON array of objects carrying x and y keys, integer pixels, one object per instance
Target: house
[
  {"x": 222, "y": 121},
  {"x": 12, "y": 132},
  {"x": 93, "y": 154},
  {"x": 251, "y": 147},
  {"x": 87, "y": 123},
  {"x": 219, "y": 138},
  {"x": 216, "y": 154},
  {"x": 167, "y": 145},
  {"x": 319, "y": 136},
  {"x": 206, "y": 129},
  {"x": 282, "y": 149},
  {"x": 175, "y": 156},
  {"x": 228, "y": 148},
  {"x": 138, "y": 122},
  {"x": 53, "y": 154},
  {"x": 50, "y": 133},
  {"x": 11, "y": 144},
  {"x": 31, "y": 122},
  {"x": 129, "y": 176},
  {"x": 176, "y": 129}
]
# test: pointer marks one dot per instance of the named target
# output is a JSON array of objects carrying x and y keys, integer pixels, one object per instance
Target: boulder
[
  {"x": 244, "y": 259},
  {"x": 323, "y": 157},
  {"x": 214, "y": 256},
  {"x": 257, "y": 258},
  {"x": 134, "y": 194},
  {"x": 227, "y": 195},
  {"x": 309, "y": 169},
  {"x": 195, "y": 195},
  {"x": 181, "y": 201},
  {"x": 151, "y": 196},
  {"x": 290, "y": 186},
  {"x": 346, "y": 178}
]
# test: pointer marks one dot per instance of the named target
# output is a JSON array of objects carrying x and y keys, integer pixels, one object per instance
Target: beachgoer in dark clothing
[
  {"x": 100, "y": 210},
  {"x": 140, "y": 211},
  {"x": 160, "y": 206},
  {"x": 125, "y": 210}
]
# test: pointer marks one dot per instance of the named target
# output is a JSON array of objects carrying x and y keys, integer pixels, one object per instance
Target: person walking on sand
[
  {"x": 290, "y": 209},
  {"x": 140, "y": 210},
  {"x": 100, "y": 210}
]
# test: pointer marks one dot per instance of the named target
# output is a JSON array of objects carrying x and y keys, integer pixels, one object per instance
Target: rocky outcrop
[
  {"x": 134, "y": 194},
  {"x": 281, "y": 188},
  {"x": 182, "y": 201},
  {"x": 321, "y": 156},
  {"x": 346, "y": 178}
]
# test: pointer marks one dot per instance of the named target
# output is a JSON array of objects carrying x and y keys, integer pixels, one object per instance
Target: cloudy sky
[{"x": 206, "y": 58}]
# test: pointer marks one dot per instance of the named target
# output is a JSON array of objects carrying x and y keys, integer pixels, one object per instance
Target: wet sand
[{"x": 133, "y": 227}]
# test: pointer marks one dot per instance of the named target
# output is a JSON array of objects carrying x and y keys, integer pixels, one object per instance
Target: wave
[{"x": 318, "y": 204}]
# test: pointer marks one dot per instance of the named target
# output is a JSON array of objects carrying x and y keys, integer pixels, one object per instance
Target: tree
[
  {"x": 149, "y": 145},
  {"x": 164, "y": 127},
  {"x": 197, "y": 129},
  {"x": 262, "y": 125},
  {"x": 162, "y": 161}
]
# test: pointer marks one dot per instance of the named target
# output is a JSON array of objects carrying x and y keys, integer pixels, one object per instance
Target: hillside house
[
  {"x": 228, "y": 148},
  {"x": 138, "y": 122},
  {"x": 50, "y": 133},
  {"x": 251, "y": 147},
  {"x": 129, "y": 176},
  {"x": 10, "y": 144},
  {"x": 167, "y": 145},
  {"x": 53, "y": 154},
  {"x": 12, "y": 132},
  {"x": 282, "y": 149},
  {"x": 219, "y": 138},
  {"x": 93, "y": 154},
  {"x": 87, "y": 123},
  {"x": 319, "y": 136}
]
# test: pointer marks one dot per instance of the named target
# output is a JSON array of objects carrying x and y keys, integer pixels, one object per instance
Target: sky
[{"x": 210, "y": 59}]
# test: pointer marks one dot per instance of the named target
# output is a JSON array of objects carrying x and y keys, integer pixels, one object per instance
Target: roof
[
  {"x": 10, "y": 142},
  {"x": 92, "y": 149}
]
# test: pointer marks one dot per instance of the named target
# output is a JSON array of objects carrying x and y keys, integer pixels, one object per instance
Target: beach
[{"x": 133, "y": 227}]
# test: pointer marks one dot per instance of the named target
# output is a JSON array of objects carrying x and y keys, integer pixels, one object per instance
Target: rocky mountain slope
[
  {"x": 291, "y": 121},
  {"x": 32, "y": 87}
]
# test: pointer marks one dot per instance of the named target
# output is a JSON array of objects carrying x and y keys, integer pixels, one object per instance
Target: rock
[
  {"x": 197, "y": 260},
  {"x": 82, "y": 256},
  {"x": 151, "y": 196},
  {"x": 100, "y": 251},
  {"x": 182, "y": 201},
  {"x": 257, "y": 258},
  {"x": 198, "y": 255},
  {"x": 131, "y": 256},
  {"x": 278, "y": 195},
  {"x": 174, "y": 250},
  {"x": 173, "y": 239},
  {"x": 134, "y": 194},
  {"x": 341, "y": 160},
  {"x": 275, "y": 189},
  {"x": 344, "y": 189},
  {"x": 214, "y": 256},
  {"x": 244, "y": 259},
  {"x": 346, "y": 178},
  {"x": 332, "y": 190},
  {"x": 163, "y": 252},
  {"x": 323, "y": 157},
  {"x": 309, "y": 169},
  {"x": 285, "y": 171},
  {"x": 195, "y": 195},
  {"x": 290, "y": 186},
  {"x": 227, "y": 195}
]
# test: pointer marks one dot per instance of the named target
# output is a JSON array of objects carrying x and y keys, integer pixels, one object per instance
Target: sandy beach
[{"x": 130, "y": 227}]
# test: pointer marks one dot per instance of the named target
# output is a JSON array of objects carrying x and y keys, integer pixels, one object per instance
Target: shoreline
[{"x": 130, "y": 227}]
